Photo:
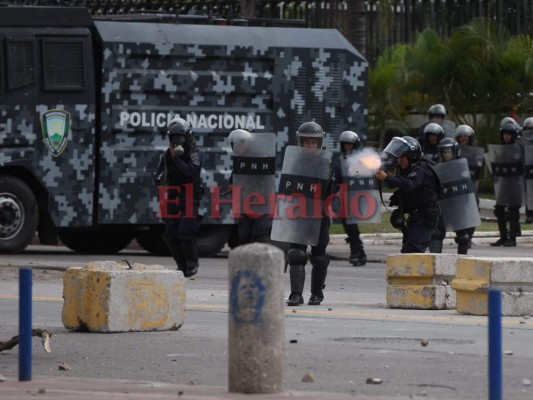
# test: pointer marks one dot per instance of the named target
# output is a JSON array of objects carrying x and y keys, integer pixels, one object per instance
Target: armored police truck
[{"x": 84, "y": 106}]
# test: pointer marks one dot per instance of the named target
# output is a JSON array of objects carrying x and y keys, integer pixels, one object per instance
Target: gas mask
[{"x": 177, "y": 143}]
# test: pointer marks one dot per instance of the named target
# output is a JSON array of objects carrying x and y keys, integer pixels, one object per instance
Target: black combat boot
[
  {"x": 318, "y": 279},
  {"x": 463, "y": 241},
  {"x": 192, "y": 269},
  {"x": 191, "y": 255},
  {"x": 499, "y": 212},
  {"x": 435, "y": 246},
  {"x": 297, "y": 258},
  {"x": 357, "y": 253},
  {"x": 297, "y": 273},
  {"x": 510, "y": 242},
  {"x": 176, "y": 252}
]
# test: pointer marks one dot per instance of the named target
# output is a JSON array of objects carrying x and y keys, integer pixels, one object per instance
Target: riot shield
[
  {"x": 507, "y": 173},
  {"x": 528, "y": 175},
  {"x": 359, "y": 197},
  {"x": 449, "y": 127},
  {"x": 302, "y": 190},
  {"x": 474, "y": 157},
  {"x": 458, "y": 205},
  {"x": 254, "y": 168}
]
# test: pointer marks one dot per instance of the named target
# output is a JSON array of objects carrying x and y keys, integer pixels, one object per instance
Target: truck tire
[
  {"x": 212, "y": 238},
  {"x": 151, "y": 240},
  {"x": 109, "y": 240},
  {"x": 19, "y": 214}
]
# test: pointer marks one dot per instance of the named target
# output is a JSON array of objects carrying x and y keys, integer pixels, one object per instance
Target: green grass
[{"x": 385, "y": 227}]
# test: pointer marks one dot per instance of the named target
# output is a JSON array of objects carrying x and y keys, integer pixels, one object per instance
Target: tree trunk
[
  {"x": 356, "y": 30},
  {"x": 247, "y": 8}
]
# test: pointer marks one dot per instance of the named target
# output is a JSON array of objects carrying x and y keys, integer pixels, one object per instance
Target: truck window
[
  {"x": 20, "y": 64},
  {"x": 63, "y": 64}
]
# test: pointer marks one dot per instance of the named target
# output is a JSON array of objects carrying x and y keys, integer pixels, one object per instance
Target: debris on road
[{"x": 308, "y": 377}]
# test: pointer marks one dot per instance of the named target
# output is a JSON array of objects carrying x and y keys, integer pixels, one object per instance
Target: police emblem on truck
[{"x": 55, "y": 125}]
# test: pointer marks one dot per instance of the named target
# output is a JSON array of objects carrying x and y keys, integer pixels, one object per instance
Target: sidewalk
[
  {"x": 88, "y": 389},
  {"x": 379, "y": 245}
]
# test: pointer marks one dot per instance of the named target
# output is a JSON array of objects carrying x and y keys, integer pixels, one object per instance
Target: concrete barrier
[
  {"x": 421, "y": 281},
  {"x": 106, "y": 296},
  {"x": 256, "y": 320},
  {"x": 476, "y": 275}
]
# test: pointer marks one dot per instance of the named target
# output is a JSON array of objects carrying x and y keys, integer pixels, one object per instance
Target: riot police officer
[
  {"x": 527, "y": 140},
  {"x": 459, "y": 210},
  {"x": 436, "y": 114},
  {"x": 465, "y": 135},
  {"x": 417, "y": 192},
  {"x": 434, "y": 133},
  {"x": 310, "y": 135},
  {"x": 350, "y": 143},
  {"x": 179, "y": 167},
  {"x": 508, "y": 185},
  {"x": 253, "y": 175}
]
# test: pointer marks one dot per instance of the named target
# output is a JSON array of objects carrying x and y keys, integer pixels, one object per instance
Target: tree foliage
[{"x": 481, "y": 73}]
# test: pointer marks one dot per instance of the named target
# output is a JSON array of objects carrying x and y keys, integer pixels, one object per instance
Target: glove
[{"x": 394, "y": 200}]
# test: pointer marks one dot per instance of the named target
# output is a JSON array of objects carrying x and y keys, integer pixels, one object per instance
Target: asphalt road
[{"x": 351, "y": 337}]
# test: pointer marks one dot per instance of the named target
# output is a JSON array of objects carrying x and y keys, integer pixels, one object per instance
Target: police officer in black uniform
[
  {"x": 449, "y": 150},
  {"x": 310, "y": 135},
  {"x": 179, "y": 170},
  {"x": 254, "y": 227},
  {"x": 509, "y": 133},
  {"x": 417, "y": 193},
  {"x": 349, "y": 143},
  {"x": 436, "y": 114},
  {"x": 434, "y": 133}
]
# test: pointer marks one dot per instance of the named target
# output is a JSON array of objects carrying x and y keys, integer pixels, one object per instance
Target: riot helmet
[
  {"x": 398, "y": 146},
  {"x": 465, "y": 130},
  {"x": 527, "y": 129},
  {"x": 349, "y": 137},
  {"x": 528, "y": 123},
  {"x": 238, "y": 139},
  {"x": 180, "y": 135},
  {"x": 511, "y": 128},
  {"x": 508, "y": 119},
  {"x": 448, "y": 149},
  {"x": 310, "y": 130},
  {"x": 434, "y": 129},
  {"x": 437, "y": 110}
]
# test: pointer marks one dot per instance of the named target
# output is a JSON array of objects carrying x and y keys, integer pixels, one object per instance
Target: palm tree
[{"x": 481, "y": 73}]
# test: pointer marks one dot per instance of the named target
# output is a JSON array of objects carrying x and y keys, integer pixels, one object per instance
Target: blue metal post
[
  {"x": 25, "y": 283},
  {"x": 495, "y": 345}
]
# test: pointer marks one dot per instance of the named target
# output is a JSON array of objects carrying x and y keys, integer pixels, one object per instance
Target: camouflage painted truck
[{"x": 84, "y": 106}]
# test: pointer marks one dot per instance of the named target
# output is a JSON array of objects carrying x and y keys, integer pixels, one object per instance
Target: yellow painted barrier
[
  {"x": 513, "y": 276},
  {"x": 421, "y": 281},
  {"x": 106, "y": 296}
]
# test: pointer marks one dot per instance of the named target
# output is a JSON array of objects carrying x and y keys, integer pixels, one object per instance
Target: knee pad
[
  {"x": 499, "y": 211},
  {"x": 351, "y": 229},
  {"x": 462, "y": 239},
  {"x": 296, "y": 256},
  {"x": 514, "y": 213},
  {"x": 320, "y": 262}
]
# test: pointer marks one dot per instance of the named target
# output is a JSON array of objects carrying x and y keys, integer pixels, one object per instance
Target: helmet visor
[{"x": 397, "y": 147}]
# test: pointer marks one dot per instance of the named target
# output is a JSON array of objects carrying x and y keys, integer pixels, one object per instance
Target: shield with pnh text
[
  {"x": 254, "y": 168},
  {"x": 303, "y": 186},
  {"x": 458, "y": 204},
  {"x": 359, "y": 191},
  {"x": 528, "y": 171},
  {"x": 475, "y": 158},
  {"x": 507, "y": 173}
]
